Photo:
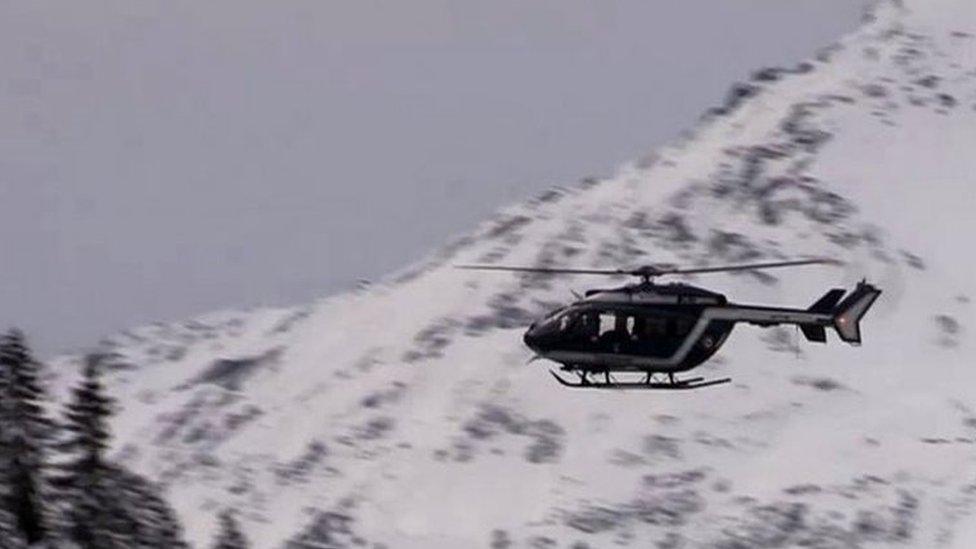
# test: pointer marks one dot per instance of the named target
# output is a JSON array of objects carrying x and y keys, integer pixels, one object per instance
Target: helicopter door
[
  {"x": 585, "y": 330},
  {"x": 659, "y": 334},
  {"x": 653, "y": 335},
  {"x": 623, "y": 328}
]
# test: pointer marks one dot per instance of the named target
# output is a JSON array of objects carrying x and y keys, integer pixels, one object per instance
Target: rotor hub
[{"x": 647, "y": 272}]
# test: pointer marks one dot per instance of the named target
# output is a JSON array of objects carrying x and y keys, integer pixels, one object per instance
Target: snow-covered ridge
[{"x": 403, "y": 413}]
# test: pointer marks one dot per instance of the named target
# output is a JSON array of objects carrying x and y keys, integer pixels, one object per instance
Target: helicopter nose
[{"x": 531, "y": 338}]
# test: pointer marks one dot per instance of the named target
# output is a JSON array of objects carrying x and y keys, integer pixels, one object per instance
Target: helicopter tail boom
[{"x": 844, "y": 315}]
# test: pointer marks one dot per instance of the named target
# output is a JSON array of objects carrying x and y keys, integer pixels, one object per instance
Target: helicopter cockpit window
[
  {"x": 565, "y": 321},
  {"x": 553, "y": 321},
  {"x": 554, "y": 314}
]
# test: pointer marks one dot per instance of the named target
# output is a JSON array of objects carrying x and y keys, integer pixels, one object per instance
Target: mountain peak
[{"x": 403, "y": 414}]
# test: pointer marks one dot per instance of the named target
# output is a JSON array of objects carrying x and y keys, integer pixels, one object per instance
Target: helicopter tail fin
[
  {"x": 848, "y": 313},
  {"x": 829, "y": 300},
  {"x": 814, "y": 333}
]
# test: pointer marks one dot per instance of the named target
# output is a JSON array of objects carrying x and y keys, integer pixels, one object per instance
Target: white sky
[{"x": 163, "y": 159}]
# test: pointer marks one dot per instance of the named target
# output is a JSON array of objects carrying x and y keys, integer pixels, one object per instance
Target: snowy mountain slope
[{"x": 404, "y": 415}]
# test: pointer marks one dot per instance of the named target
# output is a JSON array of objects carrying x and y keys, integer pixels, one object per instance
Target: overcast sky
[{"x": 163, "y": 159}]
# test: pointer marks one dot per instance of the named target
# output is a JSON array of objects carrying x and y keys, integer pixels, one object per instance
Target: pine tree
[
  {"x": 86, "y": 419},
  {"x": 163, "y": 528},
  {"x": 140, "y": 512},
  {"x": 83, "y": 483},
  {"x": 26, "y": 433},
  {"x": 230, "y": 536},
  {"x": 10, "y": 537},
  {"x": 106, "y": 506}
]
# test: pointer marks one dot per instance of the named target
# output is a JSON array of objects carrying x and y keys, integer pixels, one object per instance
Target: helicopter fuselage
[
  {"x": 633, "y": 328},
  {"x": 671, "y": 328},
  {"x": 663, "y": 352}
]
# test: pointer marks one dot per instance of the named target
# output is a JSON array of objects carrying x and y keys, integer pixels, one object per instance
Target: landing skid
[{"x": 651, "y": 382}]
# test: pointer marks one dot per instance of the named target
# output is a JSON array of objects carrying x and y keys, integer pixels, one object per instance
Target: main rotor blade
[
  {"x": 750, "y": 266},
  {"x": 650, "y": 271},
  {"x": 542, "y": 270}
]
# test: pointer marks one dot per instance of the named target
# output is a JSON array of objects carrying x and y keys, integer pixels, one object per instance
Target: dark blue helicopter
[{"x": 658, "y": 330}]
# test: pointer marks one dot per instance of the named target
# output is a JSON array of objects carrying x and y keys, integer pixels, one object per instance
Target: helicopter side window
[
  {"x": 620, "y": 326},
  {"x": 607, "y": 323},
  {"x": 613, "y": 332},
  {"x": 638, "y": 328}
]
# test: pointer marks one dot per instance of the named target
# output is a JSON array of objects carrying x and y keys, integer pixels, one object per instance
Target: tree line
[{"x": 58, "y": 488}]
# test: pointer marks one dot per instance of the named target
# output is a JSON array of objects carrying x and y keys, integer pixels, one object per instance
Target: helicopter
[{"x": 659, "y": 330}]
